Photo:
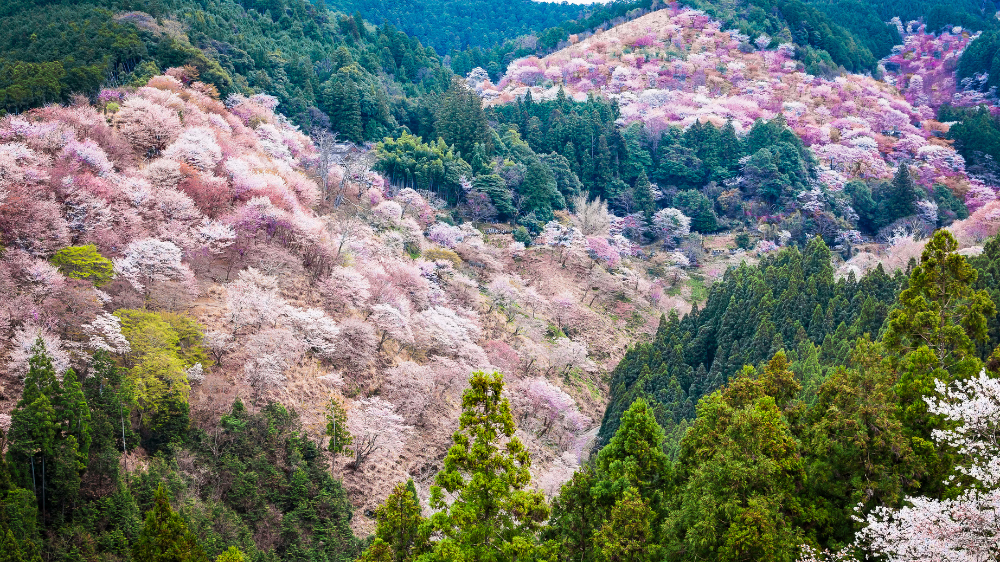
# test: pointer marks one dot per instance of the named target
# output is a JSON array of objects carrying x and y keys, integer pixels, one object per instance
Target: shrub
[
  {"x": 436, "y": 254},
  {"x": 522, "y": 235},
  {"x": 84, "y": 262}
]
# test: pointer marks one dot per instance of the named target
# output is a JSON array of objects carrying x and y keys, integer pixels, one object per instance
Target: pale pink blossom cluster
[
  {"x": 170, "y": 157},
  {"x": 445, "y": 234},
  {"x": 196, "y": 147},
  {"x": 414, "y": 204},
  {"x": 379, "y": 432},
  {"x": 267, "y": 354},
  {"x": 254, "y": 305},
  {"x": 603, "y": 252},
  {"x": 547, "y": 410},
  {"x": 105, "y": 332},
  {"x": 90, "y": 153},
  {"x": 671, "y": 225},
  {"x": 857, "y": 126},
  {"x": 150, "y": 260}
]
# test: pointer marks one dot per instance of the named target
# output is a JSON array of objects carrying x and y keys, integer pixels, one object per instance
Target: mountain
[
  {"x": 228, "y": 284},
  {"x": 676, "y": 67}
]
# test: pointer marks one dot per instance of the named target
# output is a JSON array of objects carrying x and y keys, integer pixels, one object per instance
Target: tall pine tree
[
  {"x": 493, "y": 515},
  {"x": 165, "y": 536}
]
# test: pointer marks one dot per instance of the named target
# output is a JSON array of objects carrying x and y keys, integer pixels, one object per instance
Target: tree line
[{"x": 327, "y": 70}]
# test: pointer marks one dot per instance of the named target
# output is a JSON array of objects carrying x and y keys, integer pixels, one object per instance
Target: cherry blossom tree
[
  {"x": 150, "y": 260},
  {"x": 631, "y": 226},
  {"x": 252, "y": 301},
  {"x": 21, "y": 351},
  {"x": 388, "y": 212},
  {"x": 445, "y": 235},
  {"x": 195, "y": 373},
  {"x": 356, "y": 345},
  {"x": 89, "y": 153},
  {"x": 443, "y": 330},
  {"x": 43, "y": 277},
  {"x": 214, "y": 236},
  {"x": 671, "y": 225},
  {"x": 966, "y": 528},
  {"x": 105, "y": 333},
  {"x": 547, "y": 409},
  {"x": 5, "y": 421},
  {"x": 163, "y": 173},
  {"x": 377, "y": 430},
  {"x": 411, "y": 386},
  {"x": 345, "y": 288},
  {"x": 316, "y": 330},
  {"x": 601, "y": 251},
  {"x": 196, "y": 147},
  {"x": 504, "y": 357},
  {"x": 218, "y": 343},
  {"x": 392, "y": 323},
  {"x": 503, "y": 295},
  {"x": 268, "y": 354},
  {"x": 567, "y": 240},
  {"x": 149, "y": 127},
  {"x": 565, "y": 309},
  {"x": 478, "y": 207},
  {"x": 567, "y": 354},
  {"x": 415, "y": 205}
]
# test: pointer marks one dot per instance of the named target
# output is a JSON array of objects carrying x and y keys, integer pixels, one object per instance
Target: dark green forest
[
  {"x": 264, "y": 486},
  {"x": 790, "y": 301},
  {"x": 460, "y": 24}
]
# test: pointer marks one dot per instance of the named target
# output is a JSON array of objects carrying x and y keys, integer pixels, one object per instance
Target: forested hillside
[
  {"x": 493, "y": 280},
  {"x": 326, "y": 69},
  {"x": 178, "y": 234},
  {"x": 790, "y": 301},
  {"x": 460, "y": 24}
]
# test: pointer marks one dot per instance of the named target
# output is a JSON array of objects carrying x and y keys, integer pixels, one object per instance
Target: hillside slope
[
  {"x": 206, "y": 211},
  {"x": 677, "y": 67}
]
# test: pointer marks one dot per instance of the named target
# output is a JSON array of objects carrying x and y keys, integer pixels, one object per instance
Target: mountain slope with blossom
[
  {"x": 209, "y": 215},
  {"x": 677, "y": 66}
]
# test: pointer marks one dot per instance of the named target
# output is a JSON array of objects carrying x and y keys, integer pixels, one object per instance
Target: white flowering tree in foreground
[{"x": 964, "y": 529}]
